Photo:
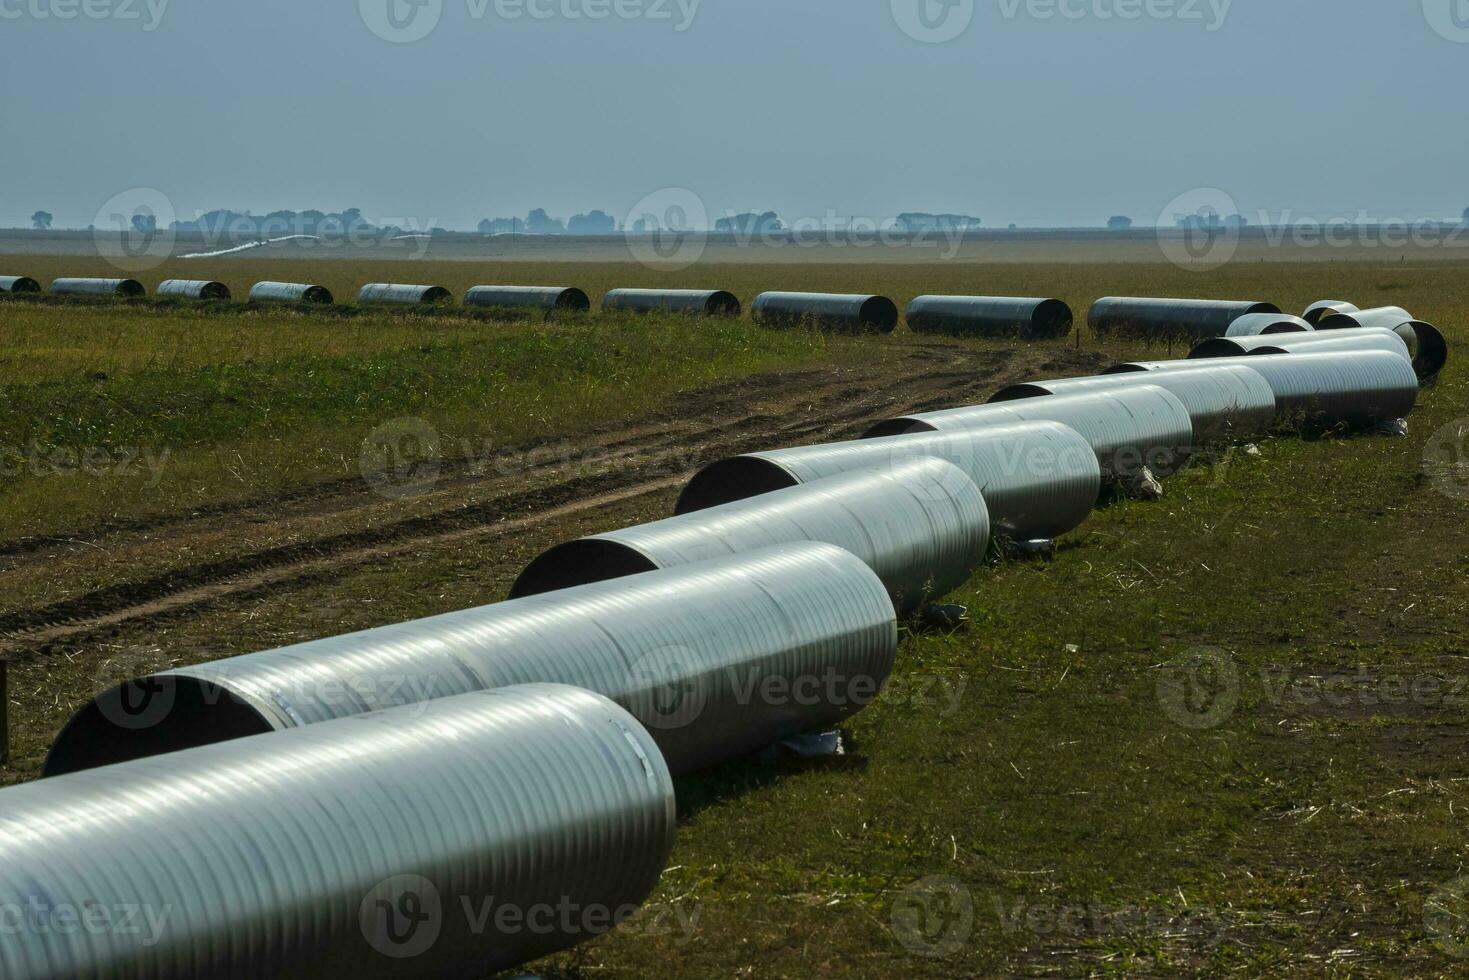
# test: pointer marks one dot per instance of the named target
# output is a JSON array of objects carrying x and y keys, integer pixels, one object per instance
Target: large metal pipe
[
  {"x": 19, "y": 284},
  {"x": 1224, "y": 402},
  {"x": 359, "y": 848},
  {"x": 1130, "y": 316},
  {"x": 1326, "y": 307},
  {"x": 688, "y": 651},
  {"x": 699, "y": 302},
  {"x": 402, "y": 294},
  {"x": 1256, "y": 324},
  {"x": 200, "y": 289},
  {"x": 990, "y": 316},
  {"x": 289, "y": 292},
  {"x": 1039, "y": 479},
  {"x": 1356, "y": 388},
  {"x": 128, "y": 288},
  {"x": 1126, "y": 427},
  {"x": 919, "y": 523},
  {"x": 1317, "y": 342},
  {"x": 547, "y": 298},
  {"x": 1430, "y": 350},
  {"x": 827, "y": 311}
]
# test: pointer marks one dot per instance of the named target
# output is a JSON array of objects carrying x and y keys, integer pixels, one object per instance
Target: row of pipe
[{"x": 332, "y": 798}]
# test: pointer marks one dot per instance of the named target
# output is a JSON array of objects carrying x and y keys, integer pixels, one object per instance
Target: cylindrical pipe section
[
  {"x": 1315, "y": 390},
  {"x": 1318, "y": 342},
  {"x": 1257, "y": 324},
  {"x": 1430, "y": 350},
  {"x": 696, "y": 302},
  {"x": 547, "y": 298},
  {"x": 1126, "y": 428},
  {"x": 200, "y": 289},
  {"x": 127, "y": 288},
  {"x": 1039, "y": 479},
  {"x": 1326, "y": 307},
  {"x": 920, "y": 524},
  {"x": 1387, "y": 317},
  {"x": 1146, "y": 318},
  {"x": 685, "y": 650},
  {"x": 347, "y": 849},
  {"x": 1224, "y": 402},
  {"x": 19, "y": 284},
  {"x": 990, "y": 316},
  {"x": 289, "y": 292},
  {"x": 827, "y": 311},
  {"x": 402, "y": 294}
]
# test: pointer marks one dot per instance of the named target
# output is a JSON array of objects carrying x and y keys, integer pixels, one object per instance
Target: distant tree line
[{"x": 538, "y": 222}]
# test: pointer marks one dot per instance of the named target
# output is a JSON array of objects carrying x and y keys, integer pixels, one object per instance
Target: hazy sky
[{"x": 801, "y": 106}]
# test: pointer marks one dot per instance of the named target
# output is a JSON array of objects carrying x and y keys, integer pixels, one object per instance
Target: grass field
[{"x": 1220, "y": 734}]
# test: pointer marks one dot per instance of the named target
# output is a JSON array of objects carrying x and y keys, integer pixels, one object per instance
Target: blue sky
[{"x": 1038, "y": 112}]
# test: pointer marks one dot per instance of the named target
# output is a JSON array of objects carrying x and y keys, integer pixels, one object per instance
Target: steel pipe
[
  {"x": 349, "y": 849},
  {"x": 827, "y": 311},
  {"x": 1039, "y": 479},
  {"x": 699, "y": 302},
  {"x": 200, "y": 289},
  {"x": 289, "y": 292},
  {"x": 1256, "y": 324},
  {"x": 127, "y": 288},
  {"x": 1326, "y": 307},
  {"x": 1354, "y": 388},
  {"x": 1223, "y": 402},
  {"x": 1317, "y": 342},
  {"x": 1129, "y": 316},
  {"x": 548, "y": 298},
  {"x": 990, "y": 316},
  {"x": 1126, "y": 427},
  {"x": 920, "y": 524},
  {"x": 19, "y": 284},
  {"x": 1430, "y": 350},
  {"x": 687, "y": 651},
  {"x": 401, "y": 294}
]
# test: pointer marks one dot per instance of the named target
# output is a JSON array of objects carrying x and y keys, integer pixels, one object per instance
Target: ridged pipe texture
[
  {"x": 1038, "y": 479},
  {"x": 696, "y": 302},
  {"x": 1224, "y": 402},
  {"x": 687, "y": 651},
  {"x": 402, "y": 294},
  {"x": 362, "y": 848},
  {"x": 1256, "y": 324},
  {"x": 1429, "y": 348},
  {"x": 192, "y": 289},
  {"x": 990, "y": 316},
  {"x": 1355, "y": 388},
  {"x": 19, "y": 284},
  {"x": 1326, "y": 307},
  {"x": 1126, "y": 427},
  {"x": 289, "y": 292},
  {"x": 1318, "y": 342},
  {"x": 920, "y": 524},
  {"x": 548, "y": 298},
  {"x": 1129, "y": 316},
  {"x": 127, "y": 288},
  {"x": 828, "y": 311}
]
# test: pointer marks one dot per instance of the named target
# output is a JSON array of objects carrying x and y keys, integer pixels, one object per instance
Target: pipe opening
[
  {"x": 148, "y": 717},
  {"x": 1017, "y": 392},
  {"x": 728, "y": 480},
  {"x": 316, "y": 294},
  {"x": 897, "y": 427},
  {"x": 1429, "y": 349},
  {"x": 879, "y": 313},
  {"x": 573, "y": 299},
  {"x": 1052, "y": 318},
  {"x": 22, "y": 284},
  {"x": 130, "y": 288},
  {"x": 580, "y": 563},
  {"x": 722, "y": 303}
]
